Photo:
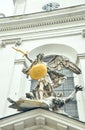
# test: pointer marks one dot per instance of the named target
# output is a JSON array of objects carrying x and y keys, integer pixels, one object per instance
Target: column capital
[{"x": 16, "y": 41}]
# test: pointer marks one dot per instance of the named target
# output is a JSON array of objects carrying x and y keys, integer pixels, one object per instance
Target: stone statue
[{"x": 48, "y": 77}]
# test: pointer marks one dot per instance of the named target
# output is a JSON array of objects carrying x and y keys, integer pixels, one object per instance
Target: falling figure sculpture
[
  {"x": 47, "y": 75},
  {"x": 52, "y": 103}
]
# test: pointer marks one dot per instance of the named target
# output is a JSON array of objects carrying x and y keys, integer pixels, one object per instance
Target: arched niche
[
  {"x": 52, "y": 49},
  {"x": 67, "y": 51}
]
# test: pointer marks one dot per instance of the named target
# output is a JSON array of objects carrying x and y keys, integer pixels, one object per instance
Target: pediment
[{"x": 40, "y": 119}]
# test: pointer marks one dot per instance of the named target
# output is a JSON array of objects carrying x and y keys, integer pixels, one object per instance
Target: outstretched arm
[
  {"x": 71, "y": 96},
  {"x": 10, "y": 100},
  {"x": 24, "y": 54}
]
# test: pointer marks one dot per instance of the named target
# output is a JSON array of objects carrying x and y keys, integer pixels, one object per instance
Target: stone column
[
  {"x": 19, "y": 7},
  {"x": 80, "y": 80}
]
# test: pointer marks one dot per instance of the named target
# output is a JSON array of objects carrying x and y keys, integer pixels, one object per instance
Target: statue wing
[
  {"x": 57, "y": 78},
  {"x": 58, "y": 62},
  {"x": 24, "y": 105}
]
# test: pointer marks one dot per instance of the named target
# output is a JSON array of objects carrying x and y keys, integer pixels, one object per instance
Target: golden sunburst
[{"x": 38, "y": 71}]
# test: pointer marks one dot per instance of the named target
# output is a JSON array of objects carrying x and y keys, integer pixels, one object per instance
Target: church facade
[{"x": 60, "y": 32}]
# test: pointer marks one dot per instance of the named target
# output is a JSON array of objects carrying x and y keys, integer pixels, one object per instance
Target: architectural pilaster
[
  {"x": 19, "y": 7},
  {"x": 79, "y": 80}
]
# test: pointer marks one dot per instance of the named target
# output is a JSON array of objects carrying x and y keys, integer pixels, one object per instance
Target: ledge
[
  {"x": 31, "y": 21},
  {"x": 40, "y": 118}
]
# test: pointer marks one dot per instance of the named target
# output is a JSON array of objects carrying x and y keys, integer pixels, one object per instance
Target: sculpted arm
[{"x": 71, "y": 96}]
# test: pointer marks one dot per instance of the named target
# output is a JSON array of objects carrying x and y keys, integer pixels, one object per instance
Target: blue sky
[{"x": 6, "y": 7}]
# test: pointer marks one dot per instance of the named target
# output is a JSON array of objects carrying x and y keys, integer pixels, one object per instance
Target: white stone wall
[
  {"x": 14, "y": 83},
  {"x": 34, "y": 32}
]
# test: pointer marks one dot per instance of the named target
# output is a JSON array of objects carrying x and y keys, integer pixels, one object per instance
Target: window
[
  {"x": 67, "y": 88},
  {"x": 50, "y": 6}
]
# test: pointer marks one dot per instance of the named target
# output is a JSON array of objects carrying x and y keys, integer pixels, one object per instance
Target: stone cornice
[
  {"x": 44, "y": 19},
  {"x": 44, "y": 25},
  {"x": 40, "y": 34},
  {"x": 40, "y": 119},
  {"x": 80, "y": 56},
  {"x": 16, "y": 41}
]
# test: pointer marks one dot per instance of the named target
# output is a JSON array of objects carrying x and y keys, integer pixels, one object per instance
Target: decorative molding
[
  {"x": 19, "y": 126},
  {"x": 16, "y": 41},
  {"x": 46, "y": 33},
  {"x": 21, "y": 61},
  {"x": 40, "y": 119},
  {"x": 61, "y": 126},
  {"x": 44, "y": 25},
  {"x": 83, "y": 33},
  {"x": 43, "y": 22},
  {"x": 40, "y": 20},
  {"x": 80, "y": 56}
]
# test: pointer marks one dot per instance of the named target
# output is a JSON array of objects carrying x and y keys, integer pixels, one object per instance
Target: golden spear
[{"x": 24, "y": 54}]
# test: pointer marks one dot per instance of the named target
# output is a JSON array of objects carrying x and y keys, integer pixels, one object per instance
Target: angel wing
[
  {"x": 57, "y": 78},
  {"x": 27, "y": 104},
  {"x": 59, "y": 62}
]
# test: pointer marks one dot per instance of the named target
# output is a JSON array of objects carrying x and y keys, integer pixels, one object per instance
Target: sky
[{"x": 6, "y": 7}]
